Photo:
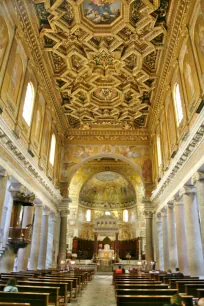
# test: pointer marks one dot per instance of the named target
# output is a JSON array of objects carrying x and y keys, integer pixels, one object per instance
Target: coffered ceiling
[{"x": 104, "y": 56}]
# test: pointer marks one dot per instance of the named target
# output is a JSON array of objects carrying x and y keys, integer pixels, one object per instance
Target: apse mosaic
[
  {"x": 107, "y": 188},
  {"x": 101, "y": 11}
]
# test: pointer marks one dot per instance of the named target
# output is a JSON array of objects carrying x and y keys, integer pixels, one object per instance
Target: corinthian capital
[
  {"x": 64, "y": 213},
  {"x": 158, "y": 217},
  {"x": 148, "y": 214},
  {"x": 178, "y": 200},
  {"x": 198, "y": 176},
  {"x": 189, "y": 189},
  {"x": 164, "y": 211}
]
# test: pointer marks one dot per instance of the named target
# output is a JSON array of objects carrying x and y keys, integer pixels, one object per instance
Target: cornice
[
  {"x": 140, "y": 135},
  {"x": 15, "y": 149},
  {"x": 28, "y": 20},
  {"x": 180, "y": 9},
  {"x": 187, "y": 149}
]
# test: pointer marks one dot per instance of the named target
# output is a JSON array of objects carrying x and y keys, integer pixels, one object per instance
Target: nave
[{"x": 99, "y": 292}]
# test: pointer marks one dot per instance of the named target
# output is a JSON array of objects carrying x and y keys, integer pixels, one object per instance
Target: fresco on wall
[
  {"x": 107, "y": 188},
  {"x": 147, "y": 170},
  {"x": 190, "y": 74},
  {"x": 4, "y": 38},
  {"x": 15, "y": 78},
  {"x": 199, "y": 41},
  {"x": 128, "y": 151},
  {"x": 101, "y": 11},
  {"x": 74, "y": 154}
]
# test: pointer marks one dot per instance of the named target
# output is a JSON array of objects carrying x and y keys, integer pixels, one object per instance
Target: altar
[{"x": 106, "y": 254}]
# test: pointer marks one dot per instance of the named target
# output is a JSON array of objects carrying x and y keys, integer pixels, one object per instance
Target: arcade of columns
[
  {"x": 179, "y": 231},
  {"x": 48, "y": 241},
  {"x": 176, "y": 228}
]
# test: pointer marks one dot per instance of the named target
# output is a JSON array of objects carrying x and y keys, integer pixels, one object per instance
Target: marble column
[
  {"x": 198, "y": 180},
  {"x": 173, "y": 255},
  {"x": 63, "y": 237},
  {"x": 181, "y": 236},
  {"x": 50, "y": 240},
  {"x": 43, "y": 238},
  {"x": 165, "y": 238},
  {"x": 23, "y": 253},
  {"x": 159, "y": 243},
  {"x": 35, "y": 242},
  {"x": 3, "y": 186},
  {"x": 149, "y": 245},
  {"x": 193, "y": 233},
  {"x": 95, "y": 244}
]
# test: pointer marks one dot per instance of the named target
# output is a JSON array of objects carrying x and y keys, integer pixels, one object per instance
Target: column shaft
[
  {"x": 198, "y": 179},
  {"x": 165, "y": 239},
  {"x": 63, "y": 237},
  {"x": 34, "y": 251},
  {"x": 23, "y": 254},
  {"x": 3, "y": 185},
  {"x": 43, "y": 239},
  {"x": 149, "y": 246},
  {"x": 181, "y": 237},
  {"x": 50, "y": 241},
  {"x": 173, "y": 256},
  {"x": 159, "y": 243},
  {"x": 194, "y": 242}
]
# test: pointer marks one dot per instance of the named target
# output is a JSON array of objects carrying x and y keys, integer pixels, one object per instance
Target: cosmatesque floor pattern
[{"x": 98, "y": 292}]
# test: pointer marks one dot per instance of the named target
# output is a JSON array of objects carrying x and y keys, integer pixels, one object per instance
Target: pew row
[
  {"x": 147, "y": 300},
  {"x": 34, "y": 299}
]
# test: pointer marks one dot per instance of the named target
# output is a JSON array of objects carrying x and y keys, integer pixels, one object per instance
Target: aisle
[{"x": 98, "y": 292}]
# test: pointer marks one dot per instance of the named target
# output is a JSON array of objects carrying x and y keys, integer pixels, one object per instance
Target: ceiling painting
[{"x": 101, "y": 11}]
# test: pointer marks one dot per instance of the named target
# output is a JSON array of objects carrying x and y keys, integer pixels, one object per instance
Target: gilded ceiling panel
[{"x": 104, "y": 56}]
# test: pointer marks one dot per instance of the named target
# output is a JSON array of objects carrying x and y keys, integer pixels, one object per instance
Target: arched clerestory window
[
  {"x": 28, "y": 103},
  {"x": 159, "y": 153},
  {"x": 178, "y": 104},
  {"x": 52, "y": 149},
  {"x": 88, "y": 215},
  {"x": 125, "y": 215}
]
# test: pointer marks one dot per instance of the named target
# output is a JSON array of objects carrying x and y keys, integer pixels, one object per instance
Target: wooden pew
[
  {"x": 13, "y": 304},
  {"x": 75, "y": 281},
  {"x": 69, "y": 283},
  {"x": 146, "y": 292},
  {"x": 147, "y": 300},
  {"x": 200, "y": 293},
  {"x": 62, "y": 287},
  {"x": 53, "y": 291},
  {"x": 141, "y": 286},
  {"x": 193, "y": 288},
  {"x": 34, "y": 299},
  {"x": 137, "y": 281},
  {"x": 180, "y": 285},
  {"x": 172, "y": 281}
]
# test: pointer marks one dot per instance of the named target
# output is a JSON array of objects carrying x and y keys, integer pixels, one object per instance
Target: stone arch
[{"x": 137, "y": 168}]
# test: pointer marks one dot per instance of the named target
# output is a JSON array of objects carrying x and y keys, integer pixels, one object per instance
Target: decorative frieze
[
  {"x": 15, "y": 149},
  {"x": 187, "y": 149}
]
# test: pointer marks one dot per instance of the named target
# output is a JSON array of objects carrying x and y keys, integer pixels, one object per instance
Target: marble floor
[{"x": 98, "y": 292}]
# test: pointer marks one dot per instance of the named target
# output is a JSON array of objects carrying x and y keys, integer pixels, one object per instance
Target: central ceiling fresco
[{"x": 104, "y": 56}]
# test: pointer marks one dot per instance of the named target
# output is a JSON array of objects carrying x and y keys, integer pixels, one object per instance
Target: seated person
[
  {"x": 177, "y": 273},
  {"x": 200, "y": 302},
  {"x": 119, "y": 270},
  {"x": 168, "y": 273},
  {"x": 176, "y": 300},
  {"x": 11, "y": 286}
]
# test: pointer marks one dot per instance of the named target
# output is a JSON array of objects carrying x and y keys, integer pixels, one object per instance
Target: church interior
[{"x": 101, "y": 134}]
